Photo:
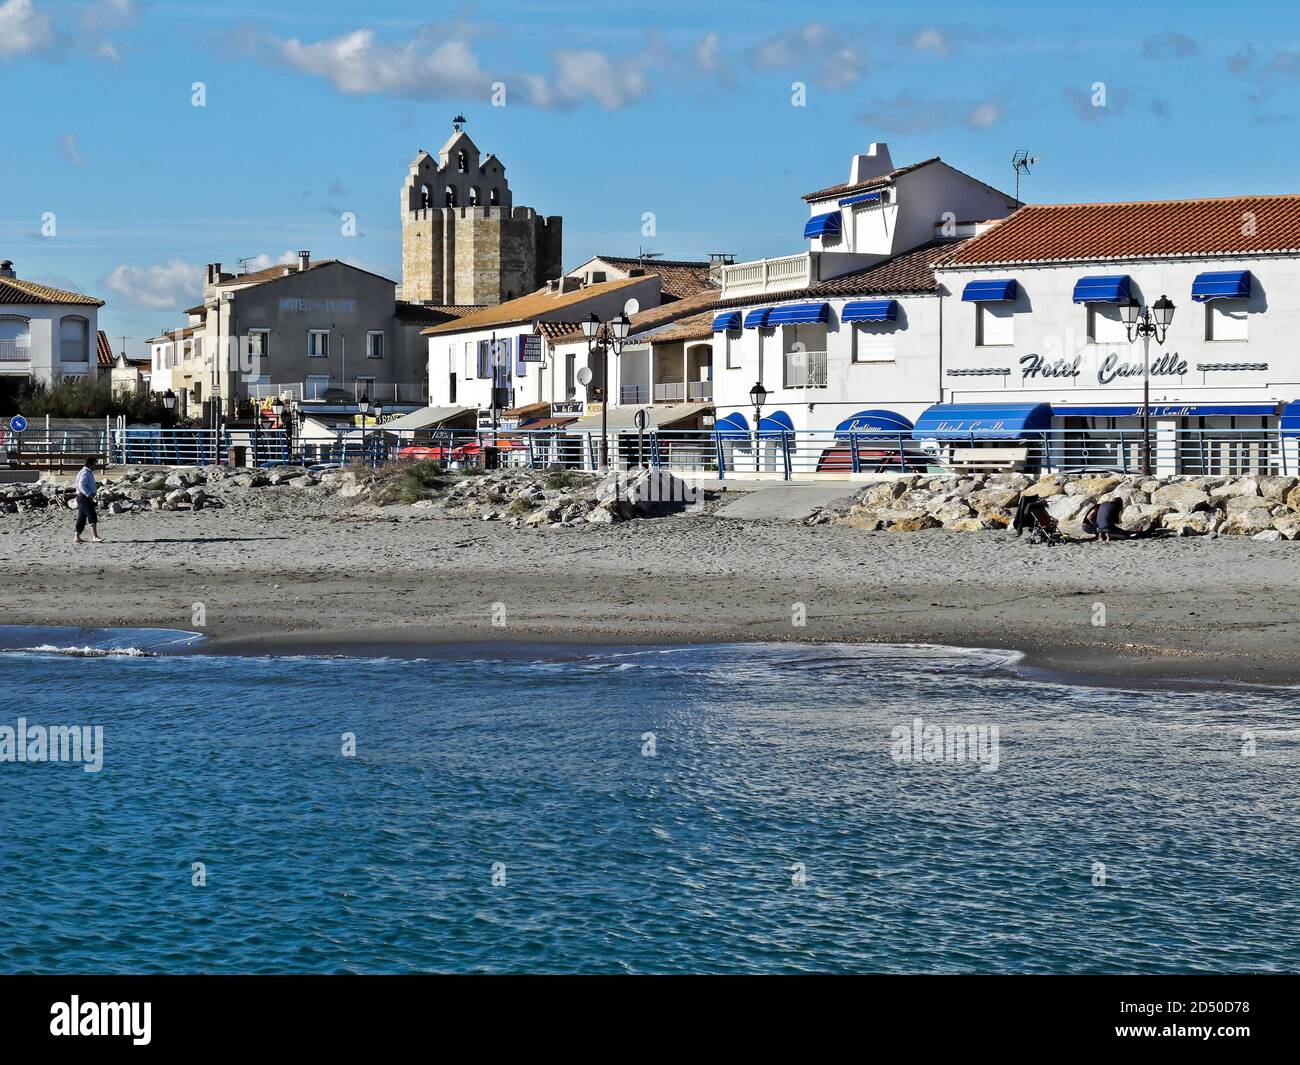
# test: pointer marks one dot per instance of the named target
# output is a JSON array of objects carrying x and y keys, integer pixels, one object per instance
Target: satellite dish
[
  {"x": 584, "y": 376},
  {"x": 631, "y": 306}
]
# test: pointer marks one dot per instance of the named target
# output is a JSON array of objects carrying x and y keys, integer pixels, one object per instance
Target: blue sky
[{"x": 678, "y": 108}]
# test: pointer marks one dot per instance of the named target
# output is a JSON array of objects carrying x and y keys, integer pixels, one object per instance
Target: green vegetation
[
  {"x": 84, "y": 398},
  {"x": 559, "y": 477},
  {"x": 408, "y": 482}
]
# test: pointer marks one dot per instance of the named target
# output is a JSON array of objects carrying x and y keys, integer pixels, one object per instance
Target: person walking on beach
[{"x": 86, "y": 489}]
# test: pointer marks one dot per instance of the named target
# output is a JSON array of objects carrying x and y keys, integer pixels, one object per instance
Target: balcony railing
[
  {"x": 700, "y": 391},
  {"x": 669, "y": 392},
  {"x": 341, "y": 391},
  {"x": 763, "y": 276},
  {"x": 805, "y": 369},
  {"x": 15, "y": 351},
  {"x": 632, "y": 395}
]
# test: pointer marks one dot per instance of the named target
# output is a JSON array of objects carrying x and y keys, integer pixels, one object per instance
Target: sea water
[{"x": 757, "y": 808}]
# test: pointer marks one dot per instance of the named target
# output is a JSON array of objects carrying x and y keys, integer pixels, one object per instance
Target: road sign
[
  {"x": 17, "y": 423},
  {"x": 532, "y": 348},
  {"x": 639, "y": 420}
]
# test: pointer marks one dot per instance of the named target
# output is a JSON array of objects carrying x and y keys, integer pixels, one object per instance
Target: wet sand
[{"x": 310, "y": 575}]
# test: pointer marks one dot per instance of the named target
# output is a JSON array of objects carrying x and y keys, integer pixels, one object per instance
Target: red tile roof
[
  {"x": 872, "y": 183},
  {"x": 15, "y": 290},
  {"x": 678, "y": 278},
  {"x": 103, "y": 349},
  {"x": 1075, "y": 232}
]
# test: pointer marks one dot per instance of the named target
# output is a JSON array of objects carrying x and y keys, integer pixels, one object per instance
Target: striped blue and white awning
[
  {"x": 995, "y": 421},
  {"x": 886, "y": 422},
  {"x": 870, "y": 311},
  {"x": 799, "y": 314},
  {"x": 989, "y": 291},
  {"x": 1112, "y": 288},
  {"x": 822, "y": 225},
  {"x": 757, "y": 318},
  {"x": 726, "y": 322},
  {"x": 1222, "y": 285},
  {"x": 861, "y": 197}
]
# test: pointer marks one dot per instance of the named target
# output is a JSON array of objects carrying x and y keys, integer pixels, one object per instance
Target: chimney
[
  {"x": 304, "y": 261},
  {"x": 876, "y": 163},
  {"x": 7, "y": 269}
]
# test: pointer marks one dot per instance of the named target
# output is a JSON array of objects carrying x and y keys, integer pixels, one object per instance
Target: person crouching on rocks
[
  {"x": 86, "y": 489},
  {"x": 1102, "y": 520}
]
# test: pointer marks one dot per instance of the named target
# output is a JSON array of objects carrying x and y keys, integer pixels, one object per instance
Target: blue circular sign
[{"x": 17, "y": 423}]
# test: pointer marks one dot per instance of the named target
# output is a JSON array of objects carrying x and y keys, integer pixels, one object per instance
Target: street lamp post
[
  {"x": 607, "y": 336},
  {"x": 1147, "y": 322},
  {"x": 757, "y": 396},
  {"x": 363, "y": 405}
]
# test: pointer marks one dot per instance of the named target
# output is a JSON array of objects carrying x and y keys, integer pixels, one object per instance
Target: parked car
[{"x": 839, "y": 459}]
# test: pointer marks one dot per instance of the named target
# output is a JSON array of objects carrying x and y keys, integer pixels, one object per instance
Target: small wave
[{"x": 80, "y": 652}]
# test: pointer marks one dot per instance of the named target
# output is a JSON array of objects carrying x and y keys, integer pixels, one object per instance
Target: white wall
[{"x": 43, "y": 327}]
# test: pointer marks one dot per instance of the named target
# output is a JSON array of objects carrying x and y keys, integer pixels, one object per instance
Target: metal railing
[
  {"x": 669, "y": 392},
  {"x": 343, "y": 391},
  {"x": 15, "y": 351},
  {"x": 805, "y": 369},
  {"x": 633, "y": 395},
  {"x": 699, "y": 390},
  {"x": 777, "y": 453}
]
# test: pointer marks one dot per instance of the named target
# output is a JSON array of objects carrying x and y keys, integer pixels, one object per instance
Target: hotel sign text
[{"x": 1171, "y": 364}]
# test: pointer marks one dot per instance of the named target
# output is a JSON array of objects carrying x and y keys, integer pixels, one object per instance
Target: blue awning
[
  {"x": 989, "y": 291},
  {"x": 861, "y": 197},
  {"x": 732, "y": 426},
  {"x": 870, "y": 311},
  {"x": 775, "y": 424},
  {"x": 822, "y": 225},
  {"x": 996, "y": 421},
  {"x": 874, "y": 421},
  {"x": 725, "y": 323},
  {"x": 1110, "y": 289},
  {"x": 799, "y": 314},
  {"x": 757, "y": 319},
  {"x": 1164, "y": 409},
  {"x": 1291, "y": 419},
  {"x": 1222, "y": 285}
]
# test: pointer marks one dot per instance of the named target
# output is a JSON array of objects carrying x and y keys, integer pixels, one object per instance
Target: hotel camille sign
[{"x": 1170, "y": 364}]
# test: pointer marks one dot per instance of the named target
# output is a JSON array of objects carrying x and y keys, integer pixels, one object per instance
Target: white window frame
[
  {"x": 370, "y": 338},
  {"x": 865, "y": 338},
  {"x": 311, "y": 335},
  {"x": 1221, "y": 313},
  {"x": 732, "y": 352},
  {"x": 264, "y": 335},
  {"x": 984, "y": 312},
  {"x": 316, "y": 393}
]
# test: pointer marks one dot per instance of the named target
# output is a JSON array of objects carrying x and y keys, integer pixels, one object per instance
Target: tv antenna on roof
[
  {"x": 1020, "y": 163},
  {"x": 643, "y": 255},
  {"x": 243, "y": 263}
]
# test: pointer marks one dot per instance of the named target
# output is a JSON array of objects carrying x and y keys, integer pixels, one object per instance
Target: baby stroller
[{"x": 1032, "y": 514}]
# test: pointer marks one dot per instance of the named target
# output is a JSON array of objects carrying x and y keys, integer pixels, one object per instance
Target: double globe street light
[
  {"x": 607, "y": 336},
  {"x": 1147, "y": 322}
]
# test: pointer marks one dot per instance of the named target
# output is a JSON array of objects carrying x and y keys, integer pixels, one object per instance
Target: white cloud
[
  {"x": 25, "y": 30},
  {"x": 357, "y": 63},
  {"x": 68, "y": 147},
  {"x": 933, "y": 40},
  {"x": 172, "y": 285},
  {"x": 908, "y": 113},
  {"x": 261, "y": 262},
  {"x": 588, "y": 74},
  {"x": 815, "y": 47},
  {"x": 984, "y": 115}
]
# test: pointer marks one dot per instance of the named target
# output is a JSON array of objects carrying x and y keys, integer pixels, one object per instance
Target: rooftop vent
[{"x": 7, "y": 268}]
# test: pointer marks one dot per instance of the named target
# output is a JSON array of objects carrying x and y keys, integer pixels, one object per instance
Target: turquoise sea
[{"x": 695, "y": 809}]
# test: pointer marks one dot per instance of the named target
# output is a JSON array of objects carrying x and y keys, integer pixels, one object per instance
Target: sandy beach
[{"x": 277, "y": 573}]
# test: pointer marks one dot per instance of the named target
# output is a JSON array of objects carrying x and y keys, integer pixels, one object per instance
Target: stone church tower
[{"x": 463, "y": 240}]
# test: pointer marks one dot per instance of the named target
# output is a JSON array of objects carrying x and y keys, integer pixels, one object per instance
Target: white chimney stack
[
  {"x": 304, "y": 260},
  {"x": 876, "y": 163}
]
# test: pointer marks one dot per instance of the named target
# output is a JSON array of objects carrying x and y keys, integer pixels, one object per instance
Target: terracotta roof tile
[
  {"x": 678, "y": 278},
  {"x": 433, "y": 314},
  {"x": 874, "y": 183},
  {"x": 535, "y": 304},
  {"x": 103, "y": 349},
  {"x": 696, "y": 327},
  {"x": 1238, "y": 225},
  {"x": 15, "y": 290}
]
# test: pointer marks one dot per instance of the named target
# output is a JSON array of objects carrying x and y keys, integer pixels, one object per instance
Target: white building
[
  {"x": 1034, "y": 331},
  {"x": 47, "y": 335}
]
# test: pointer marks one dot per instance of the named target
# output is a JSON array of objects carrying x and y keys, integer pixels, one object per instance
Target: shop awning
[
  {"x": 1163, "y": 409},
  {"x": 726, "y": 322},
  {"x": 429, "y": 418},
  {"x": 776, "y": 423},
  {"x": 1291, "y": 419},
  {"x": 861, "y": 197},
  {"x": 1221, "y": 285},
  {"x": 870, "y": 311},
  {"x": 874, "y": 421},
  {"x": 823, "y": 225},
  {"x": 799, "y": 314},
  {"x": 996, "y": 421},
  {"x": 623, "y": 419},
  {"x": 1112, "y": 288},
  {"x": 732, "y": 426},
  {"x": 757, "y": 319},
  {"x": 989, "y": 291}
]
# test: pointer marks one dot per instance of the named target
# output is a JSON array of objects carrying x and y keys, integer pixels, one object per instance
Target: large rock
[
  {"x": 1139, "y": 517},
  {"x": 1243, "y": 486},
  {"x": 1238, "y": 504},
  {"x": 1269, "y": 536},
  {"x": 968, "y": 525},
  {"x": 1183, "y": 498},
  {"x": 1288, "y": 524},
  {"x": 1067, "y": 507},
  {"x": 1276, "y": 488},
  {"x": 953, "y": 510},
  {"x": 1092, "y": 487},
  {"x": 882, "y": 494},
  {"x": 1197, "y": 523},
  {"x": 1247, "y": 522},
  {"x": 1044, "y": 487},
  {"x": 993, "y": 499}
]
